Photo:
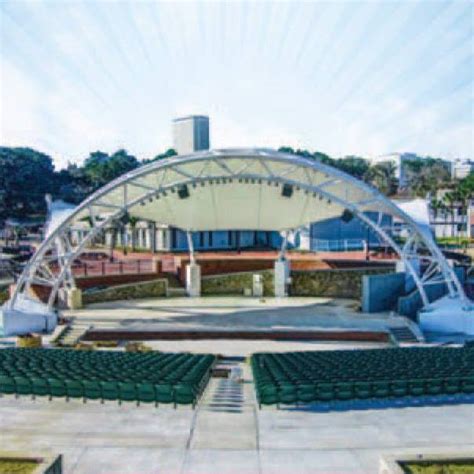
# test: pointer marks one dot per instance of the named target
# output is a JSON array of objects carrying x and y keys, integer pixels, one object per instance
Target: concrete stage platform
[{"x": 255, "y": 324}]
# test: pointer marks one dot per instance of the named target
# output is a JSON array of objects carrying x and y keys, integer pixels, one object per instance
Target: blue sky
[{"x": 345, "y": 78}]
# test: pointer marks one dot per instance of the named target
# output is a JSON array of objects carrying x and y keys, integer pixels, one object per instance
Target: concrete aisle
[{"x": 224, "y": 434}]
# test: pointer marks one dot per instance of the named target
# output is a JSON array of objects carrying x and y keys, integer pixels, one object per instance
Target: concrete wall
[
  {"x": 148, "y": 289},
  {"x": 235, "y": 283},
  {"x": 381, "y": 292},
  {"x": 336, "y": 283},
  {"x": 409, "y": 305},
  {"x": 341, "y": 283}
]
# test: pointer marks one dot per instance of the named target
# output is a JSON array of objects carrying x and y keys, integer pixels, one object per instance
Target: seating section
[
  {"x": 326, "y": 376},
  {"x": 150, "y": 377}
]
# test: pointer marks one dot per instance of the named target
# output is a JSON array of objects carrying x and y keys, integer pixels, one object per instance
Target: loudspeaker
[
  {"x": 183, "y": 191},
  {"x": 287, "y": 190}
]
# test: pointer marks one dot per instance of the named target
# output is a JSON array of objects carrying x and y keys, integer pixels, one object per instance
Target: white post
[
  {"x": 193, "y": 271},
  {"x": 282, "y": 270}
]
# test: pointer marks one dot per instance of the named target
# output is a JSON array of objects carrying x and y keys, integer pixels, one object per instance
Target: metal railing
[{"x": 342, "y": 245}]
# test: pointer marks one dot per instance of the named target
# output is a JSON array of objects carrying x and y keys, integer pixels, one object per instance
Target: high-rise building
[{"x": 191, "y": 134}]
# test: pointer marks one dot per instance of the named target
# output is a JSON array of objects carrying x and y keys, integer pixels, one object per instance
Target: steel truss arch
[{"x": 318, "y": 186}]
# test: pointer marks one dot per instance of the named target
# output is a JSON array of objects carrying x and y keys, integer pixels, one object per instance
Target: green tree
[
  {"x": 101, "y": 168},
  {"x": 353, "y": 165},
  {"x": 167, "y": 154},
  {"x": 382, "y": 176},
  {"x": 26, "y": 176}
]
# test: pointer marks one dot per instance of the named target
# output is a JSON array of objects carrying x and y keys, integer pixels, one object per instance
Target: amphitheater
[{"x": 282, "y": 363}]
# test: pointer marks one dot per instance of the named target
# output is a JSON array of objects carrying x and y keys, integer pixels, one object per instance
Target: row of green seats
[
  {"x": 361, "y": 374},
  {"x": 106, "y": 375}
]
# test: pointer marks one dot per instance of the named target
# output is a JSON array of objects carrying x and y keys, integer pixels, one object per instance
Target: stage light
[
  {"x": 183, "y": 191},
  {"x": 287, "y": 190}
]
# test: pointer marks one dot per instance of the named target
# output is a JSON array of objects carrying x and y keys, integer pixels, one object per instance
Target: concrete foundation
[
  {"x": 193, "y": 279},
  {"x": 74, "y": 298},
  {"x": 447, "y": 316},
  {"x": 282, "y": 274},
  {"x": 257, "y": 286},
  {"x": 17, "y": 322}
]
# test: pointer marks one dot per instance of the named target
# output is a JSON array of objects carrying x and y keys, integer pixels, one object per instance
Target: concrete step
[
  {"x": 225, "y": 405},
  {"x": 403, "y": 334},
  {"x": 72, "y": 334}
]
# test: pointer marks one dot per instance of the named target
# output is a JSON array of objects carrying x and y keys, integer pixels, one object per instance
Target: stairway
[
  {"x": 224, "y": 405},
  {"x": 403, "y": 334},
  {"x": 72, "y": 334}
]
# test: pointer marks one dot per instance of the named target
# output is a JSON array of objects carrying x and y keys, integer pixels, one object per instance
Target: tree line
[{"x": 26, "y": 175}]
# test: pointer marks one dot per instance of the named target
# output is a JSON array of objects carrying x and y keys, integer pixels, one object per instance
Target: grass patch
[
  {"x": 4, "y": 295},
  {"x": 17, "y": 466},
  {"x": 439, "y": 467}
]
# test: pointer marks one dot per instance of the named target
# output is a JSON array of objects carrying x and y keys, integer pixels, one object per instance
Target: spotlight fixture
[
  {"x": 194, "y": 185},
  {"x": 329, "y": 201},
  {"x": 287, "y": 190},
  {"x": 183, "y": 191},
  {"x": 142, "y": 203},
  {"x": 320, "y": 197},
  {"x": 276, "y": 183},
  {"x": 202, "y": 184},
  {"x": 347, "y": 216},
  {"x": 150, "y": 199},
  {"x": 173, "y": 190}
]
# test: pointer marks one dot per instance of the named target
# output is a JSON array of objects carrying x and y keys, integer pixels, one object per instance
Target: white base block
[
  {"x": 16, "y": 322},
  {"x": 282, "y": 274},
  {"x": 74, "y": 298},
  {"x": 447, "y": 315},
  {"x": 257, "y": 286},
  {"x": 193, "y": 279}
]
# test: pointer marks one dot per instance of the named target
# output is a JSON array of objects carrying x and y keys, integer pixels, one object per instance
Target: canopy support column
[
  {"x": 282, "y": 270},
  {"x": 193, "y": 271}
]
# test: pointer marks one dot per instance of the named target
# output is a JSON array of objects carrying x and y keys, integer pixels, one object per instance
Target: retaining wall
[
  {"x": 340, "y": 283},
  {"x": 381, "y": 292},
  {"x": 235, "y": 283},
  {"x": 148, "y": 289}
]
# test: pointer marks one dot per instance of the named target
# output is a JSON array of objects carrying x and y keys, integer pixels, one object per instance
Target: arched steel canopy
[{"x": 232, "y": 189}]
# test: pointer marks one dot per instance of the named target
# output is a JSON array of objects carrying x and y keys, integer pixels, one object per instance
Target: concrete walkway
[{"x": 227, "y": 434}]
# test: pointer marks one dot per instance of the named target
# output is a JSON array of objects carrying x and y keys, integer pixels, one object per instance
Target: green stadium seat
[
  {"x": 74, "y": 389},
  {"x": 109, "y": 390},
  {"x": 146, "y": 393},
  {"x": 92, "y": 389},
  {"x": 127, "y": 392},
  {"x": 40, "y": 387},
  {"x": 57, "y": 388},
  {"x": 7, "y": 384},
  {"x": 22, "y": 386},
  {"x": 184, "y": 394},
  {"x": 164, "y": 393}
]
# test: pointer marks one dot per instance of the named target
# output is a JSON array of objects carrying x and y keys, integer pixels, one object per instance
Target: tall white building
[{"x": 191, "y": 134}]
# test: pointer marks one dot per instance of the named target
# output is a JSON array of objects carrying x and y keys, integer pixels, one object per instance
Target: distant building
[
  {"x": 399, "y": 160},
  {"x": 191, "y": 134},
  {"x": 462, "y": 168}
]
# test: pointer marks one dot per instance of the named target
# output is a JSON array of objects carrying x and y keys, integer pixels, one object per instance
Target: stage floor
[{"x": 236, "y": 314}]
